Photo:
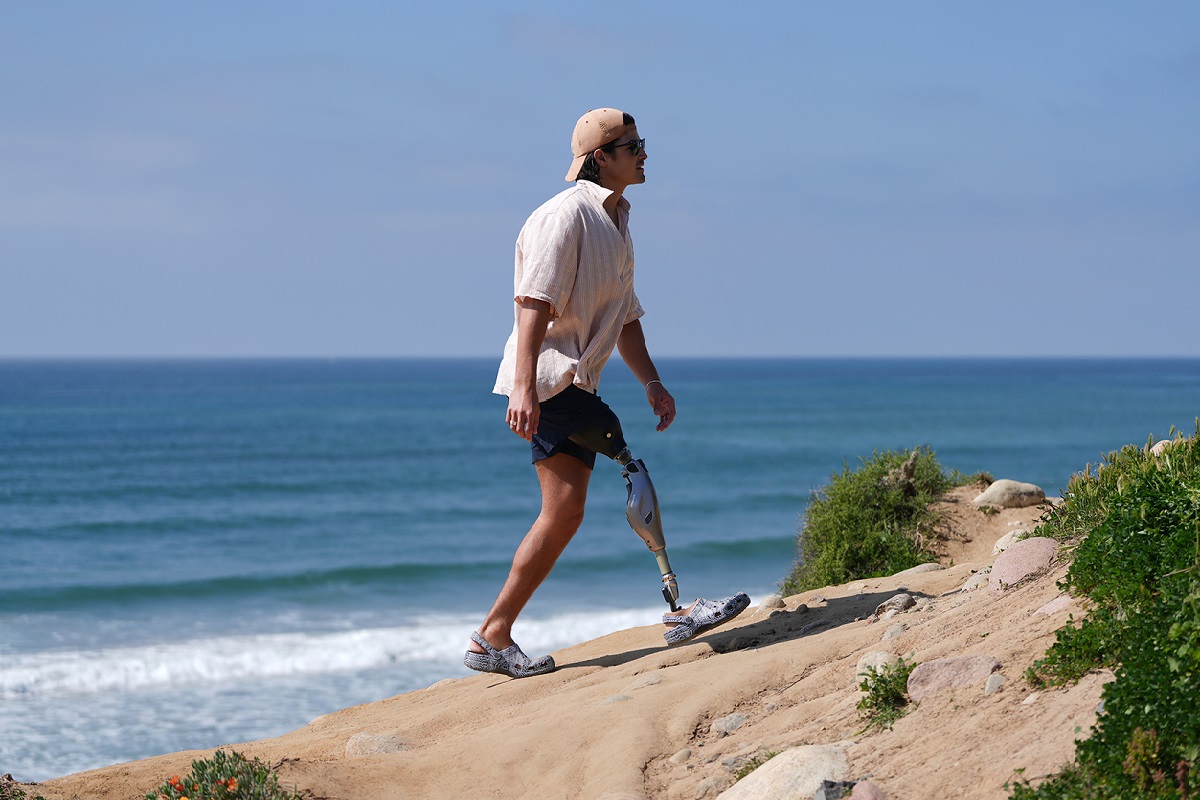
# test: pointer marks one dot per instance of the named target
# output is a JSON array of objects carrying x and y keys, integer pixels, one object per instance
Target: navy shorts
[{"x": 567, "y": 413}]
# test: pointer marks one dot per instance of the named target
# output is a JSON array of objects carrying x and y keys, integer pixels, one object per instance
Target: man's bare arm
[{"x": 631, "y": 344}]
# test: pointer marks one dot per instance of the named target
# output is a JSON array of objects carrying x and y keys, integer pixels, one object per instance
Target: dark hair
[{"x": 590, "y": 171}]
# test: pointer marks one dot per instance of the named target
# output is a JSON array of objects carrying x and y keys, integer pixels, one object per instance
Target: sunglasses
[{"x": 636, "y": 146}]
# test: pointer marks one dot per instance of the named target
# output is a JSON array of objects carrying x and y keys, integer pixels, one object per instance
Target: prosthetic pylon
[{"x": 641, "y": 509}]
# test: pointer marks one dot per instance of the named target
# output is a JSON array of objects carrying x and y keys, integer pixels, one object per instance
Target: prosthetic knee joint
[{"x": 641, "y": 506}]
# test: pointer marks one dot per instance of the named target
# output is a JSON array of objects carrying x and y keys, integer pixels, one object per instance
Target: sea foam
[{"x": 435, "y": 639}]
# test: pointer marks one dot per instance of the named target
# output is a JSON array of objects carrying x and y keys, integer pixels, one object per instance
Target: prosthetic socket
[{"x": 641, "y": 507}]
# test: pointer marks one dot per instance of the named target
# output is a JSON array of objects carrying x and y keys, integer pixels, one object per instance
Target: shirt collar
[{"x": 600, "y": 194}]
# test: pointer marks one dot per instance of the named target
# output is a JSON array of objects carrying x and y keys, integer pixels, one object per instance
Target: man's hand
[
  {"x": 663, "y": 404},
  {"x": 523, "y": 413}
]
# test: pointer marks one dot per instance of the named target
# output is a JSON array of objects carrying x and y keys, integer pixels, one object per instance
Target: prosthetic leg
[{"x": 641, "y": 506}]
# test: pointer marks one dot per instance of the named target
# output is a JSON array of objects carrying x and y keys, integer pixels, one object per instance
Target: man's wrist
[{"x": 656, "y": 380}]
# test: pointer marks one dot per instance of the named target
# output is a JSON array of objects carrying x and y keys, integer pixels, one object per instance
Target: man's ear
[{"x": 601, "y": 157}]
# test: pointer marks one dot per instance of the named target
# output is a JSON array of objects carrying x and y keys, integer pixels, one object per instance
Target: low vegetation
[
  {"x": 872, "y": 521},
  {"x": 886, "y": 694},
  {"x": 225, "y": 776},
  {"x": 1134, "y": 527},
  {"x": 754, "y": 764},
  {"x": 11, "y": 791}
]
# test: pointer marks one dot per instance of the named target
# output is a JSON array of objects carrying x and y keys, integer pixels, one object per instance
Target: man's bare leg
[{"x": 564, "y": 482}]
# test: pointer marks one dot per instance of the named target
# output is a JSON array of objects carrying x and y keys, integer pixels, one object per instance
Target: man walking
[{"x": 574, "y": 304}]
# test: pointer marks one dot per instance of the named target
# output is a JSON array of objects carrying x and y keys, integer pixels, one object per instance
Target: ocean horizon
[{"x": 204, "y": 551}]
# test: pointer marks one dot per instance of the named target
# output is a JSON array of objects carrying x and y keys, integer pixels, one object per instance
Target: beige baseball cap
[{"x": 595, "y": 129}]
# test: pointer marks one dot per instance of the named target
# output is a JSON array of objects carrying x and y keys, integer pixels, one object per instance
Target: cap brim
[{"x": 576, "y": 165}]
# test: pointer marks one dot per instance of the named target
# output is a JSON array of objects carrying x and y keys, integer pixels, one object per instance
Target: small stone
[
  {"x": 1003, "y": 543},
  {"x": 734, "y": 763},
  {"x": 978, "y": 579},
  {"x": 817, "y": 599},
  {"x": 897, "y": 603},
  {"x": 876, "y": 660},
  {"x": 1033, "y": 698},
  {"x": 682, "y": 756},
  {"x": 994, "y": 682},
  {"x": 372, "y": 744},
  {"x": 728, "y": 723},
  {"x": 769, "y": 707},
  {"x": 1160, "y": 447},
  {"x": 812, "y": 626},
  {"x": 923, "y": 602},
  {"x": 1100, "y": 708},
  {"x": 616, "y": 698},
  {"x": 711, "y": 787},
  {"x": 442, "y": 682},
  {"x": 772, "y": 601},
  {"x": 895, "y": 631}
]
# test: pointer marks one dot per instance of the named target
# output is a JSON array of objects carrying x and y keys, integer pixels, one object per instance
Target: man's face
[{"x": 621, "y": 165}]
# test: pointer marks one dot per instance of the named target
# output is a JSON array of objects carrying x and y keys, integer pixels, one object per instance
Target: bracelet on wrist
[{"x": 656, "y": 380}]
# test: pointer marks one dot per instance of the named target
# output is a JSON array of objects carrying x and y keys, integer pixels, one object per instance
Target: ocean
[{"x": 202, "y": 552}]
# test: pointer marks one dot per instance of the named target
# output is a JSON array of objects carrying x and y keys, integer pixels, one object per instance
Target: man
[{"x": 574, "y": 302}]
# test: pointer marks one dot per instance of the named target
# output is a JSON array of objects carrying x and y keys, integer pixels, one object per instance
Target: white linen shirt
[{"x": 570, "y": 255}]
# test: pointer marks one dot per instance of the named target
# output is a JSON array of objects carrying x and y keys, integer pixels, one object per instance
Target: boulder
[
  {"x": 794, "y": 774},
  {"x": 955, "y": 672},
  {"x": 1026, "y": 557},
  {"x": 1010, "y": 494}
]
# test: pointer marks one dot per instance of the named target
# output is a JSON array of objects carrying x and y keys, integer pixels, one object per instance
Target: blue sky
[{"x": 206, "y": 179}]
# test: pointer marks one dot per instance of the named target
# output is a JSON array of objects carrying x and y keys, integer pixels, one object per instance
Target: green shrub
[
  {"x": 11, "y": 791},
  {"x": 226, "y": 776},
  {"x": 754, "y": 764},
  {"x": 886, "y": 698},
  {"x": 869, "y": 522},
  {"x": 1135, "y": 527}
]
